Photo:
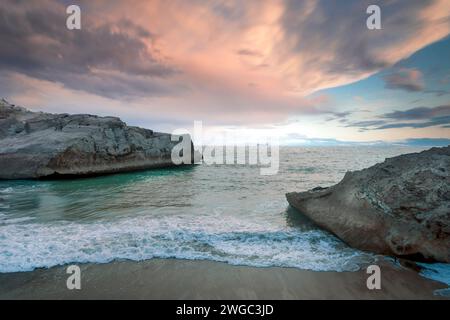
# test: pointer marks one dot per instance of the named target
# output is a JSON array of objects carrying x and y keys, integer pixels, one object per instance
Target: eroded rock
[
  {"x": 37, "y": 145},
  {"x": 399, "y": 207}
]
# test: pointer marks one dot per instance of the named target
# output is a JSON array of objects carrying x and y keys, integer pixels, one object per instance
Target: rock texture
[
  {"x": 399, "y": 207},
  {"x": 37, "y": 145}
]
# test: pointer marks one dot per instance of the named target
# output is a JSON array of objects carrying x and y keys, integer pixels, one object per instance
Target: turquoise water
[{"x": 226, "y": 213}]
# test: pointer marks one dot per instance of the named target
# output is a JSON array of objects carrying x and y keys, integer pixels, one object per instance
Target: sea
[{"x": 228, "y": 213}]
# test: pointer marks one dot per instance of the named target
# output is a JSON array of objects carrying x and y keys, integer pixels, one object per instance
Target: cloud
[
  {"x": 437, "y": 121},
  {"x": 329, "y": 44},
  {"x": 339, "y": 116},
  {"x": 195, "y": 59},
  {"x": 405, "y": 79},
  {"x": 419, "y": 113},
  {"x": 366, "y": 123},
  {"x": 101, "y": 58},
  {"x": 430, "y": 117},
  {"x": 342, "y": 114},
  {"x": 438, "y": 93},
  {"x": 248, "y": 52}
]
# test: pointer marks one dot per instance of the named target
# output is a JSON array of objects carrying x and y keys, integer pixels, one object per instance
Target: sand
[{"x": 187, "y": 279}]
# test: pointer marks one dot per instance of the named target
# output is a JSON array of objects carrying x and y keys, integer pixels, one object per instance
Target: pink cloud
[{"x": 181, "y": 58}]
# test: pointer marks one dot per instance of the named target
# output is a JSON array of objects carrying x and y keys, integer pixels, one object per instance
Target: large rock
[
  {"x": 37, "y": 145},
  {"x": 399, "y": 207}
]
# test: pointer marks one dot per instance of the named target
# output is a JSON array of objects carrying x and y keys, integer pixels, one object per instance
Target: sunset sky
[{"x": 307, "y": 71}]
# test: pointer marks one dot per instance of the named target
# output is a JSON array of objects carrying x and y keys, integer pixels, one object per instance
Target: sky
[{"x": 308, "y": 72}]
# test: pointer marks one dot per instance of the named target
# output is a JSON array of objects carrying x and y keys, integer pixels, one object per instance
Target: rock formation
[
  {"x": 399, "y": 207},
  {"x": 39, "y": 145}
]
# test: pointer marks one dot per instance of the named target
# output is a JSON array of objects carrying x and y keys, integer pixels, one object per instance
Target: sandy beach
[{"x": 187, "y": 279}]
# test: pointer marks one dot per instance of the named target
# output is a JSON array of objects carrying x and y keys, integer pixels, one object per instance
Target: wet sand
[{"x": 186, "y": 279}]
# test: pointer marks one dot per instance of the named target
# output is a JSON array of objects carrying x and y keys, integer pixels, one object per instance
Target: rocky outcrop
[
  {"x": 38, "y": 145},
  {"x": 399, "y": 207}
]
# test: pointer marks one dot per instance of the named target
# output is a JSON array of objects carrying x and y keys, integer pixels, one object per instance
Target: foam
[
  {"x": 27, "y": 246},
  {"x": 6, "y": 190},
  {"x": 5, "y": 220},
  {"x": 438, "y": 272}
]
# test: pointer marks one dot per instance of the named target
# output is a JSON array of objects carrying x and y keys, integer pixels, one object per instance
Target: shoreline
[{"x": 203, "y": 279}]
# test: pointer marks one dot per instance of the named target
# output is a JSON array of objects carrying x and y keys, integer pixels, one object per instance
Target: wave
[
  {"x": 438, "y": 272},
  {"x": 27, "y": 246}
]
